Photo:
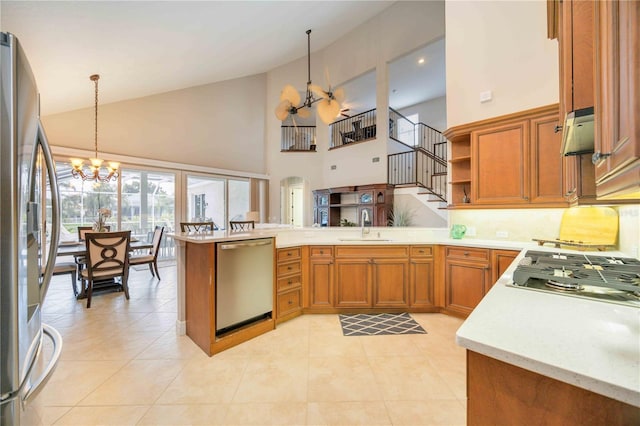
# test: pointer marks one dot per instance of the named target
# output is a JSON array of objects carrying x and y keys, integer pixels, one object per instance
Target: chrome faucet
[{"x": 366, "y": 222}]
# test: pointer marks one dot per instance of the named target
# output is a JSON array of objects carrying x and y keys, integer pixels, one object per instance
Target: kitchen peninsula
[{"x": 589, "y": 345}]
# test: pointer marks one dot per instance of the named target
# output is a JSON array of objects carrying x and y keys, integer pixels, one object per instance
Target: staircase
[{"x": 423, "y": 164}]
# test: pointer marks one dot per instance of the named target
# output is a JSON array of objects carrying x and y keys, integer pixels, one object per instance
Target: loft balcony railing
[
  {"x": 297, "y": 138},
  {"x": 358, "y": 128}
]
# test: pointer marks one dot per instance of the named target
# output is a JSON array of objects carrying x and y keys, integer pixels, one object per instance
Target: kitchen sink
[{"x": 364, "y": 239}]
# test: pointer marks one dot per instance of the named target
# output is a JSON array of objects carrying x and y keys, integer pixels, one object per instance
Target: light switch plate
[
  {"x": 502, "y": 234},
  {"x": 486, "y": 96}
]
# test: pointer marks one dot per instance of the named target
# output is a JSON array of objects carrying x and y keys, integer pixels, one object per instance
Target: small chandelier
[
  {"x": 95, "y": 163},
  {"x": 329, "y": 101}
]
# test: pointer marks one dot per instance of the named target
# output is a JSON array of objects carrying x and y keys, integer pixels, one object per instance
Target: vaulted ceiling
[{"x": 142, "y": 48}]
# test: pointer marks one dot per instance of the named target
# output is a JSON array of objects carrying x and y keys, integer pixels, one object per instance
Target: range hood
[{"x": 577, "y": 137}]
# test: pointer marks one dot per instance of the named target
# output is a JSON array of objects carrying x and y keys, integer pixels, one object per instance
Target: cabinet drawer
[
  {"x": 477, "y": 254},
  {"x": 289, "y": 282},
  {"x": 288, "y": 268},
  {"x": 372, "y": 251},
  {"x": 421, "y": 251},
  {"x": 289, "y": 302},
  {"x": 287, "y": 254},
  {"x": 321, "y": 251}
]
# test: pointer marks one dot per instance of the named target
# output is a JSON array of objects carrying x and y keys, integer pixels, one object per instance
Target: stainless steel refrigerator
[{"x": 29, "y": 233}]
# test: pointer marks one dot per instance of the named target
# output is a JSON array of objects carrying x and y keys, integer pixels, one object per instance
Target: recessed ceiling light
[{"x": 421, "y": 61}]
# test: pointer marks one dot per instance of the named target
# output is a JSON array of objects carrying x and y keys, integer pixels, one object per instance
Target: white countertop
[
  {"x": 590, "y": 344},
  {"x": 289, "y": 237}
]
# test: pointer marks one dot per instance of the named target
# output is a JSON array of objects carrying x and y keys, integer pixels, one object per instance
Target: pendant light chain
[
  {"x": 95, "y": 79},
  {"x": 95, "y": 164}
]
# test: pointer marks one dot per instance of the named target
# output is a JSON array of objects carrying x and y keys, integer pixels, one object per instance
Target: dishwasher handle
[{"x": 234, "y": 246}]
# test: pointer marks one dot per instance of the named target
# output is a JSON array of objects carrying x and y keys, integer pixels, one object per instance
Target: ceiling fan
[{"x": 343, "y": 112}]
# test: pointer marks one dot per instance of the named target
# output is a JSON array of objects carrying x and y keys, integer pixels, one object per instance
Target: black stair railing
[{"x": 426, "y": 164}]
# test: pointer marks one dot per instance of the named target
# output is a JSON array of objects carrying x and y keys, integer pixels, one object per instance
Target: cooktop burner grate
[{"x": 600, "y": 277}]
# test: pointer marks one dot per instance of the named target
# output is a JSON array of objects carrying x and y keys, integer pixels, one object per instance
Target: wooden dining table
[{"x": 79, "y": 248}]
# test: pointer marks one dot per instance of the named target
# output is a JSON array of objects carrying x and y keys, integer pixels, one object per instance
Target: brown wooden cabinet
[
  {"x": 390, "y": 282},
  {"x": 421, "y": 277},
  {"x": 321, "y": 277},
  {"x": 497, "y": 391},
  {"x": 371, "y": 276},
  {"x": 288, "y": 283},
  {"x": 510, "y": 161},
  {"x": 467, "y": 278},
  {"x": 500, "y": 261},
  {"x": 499, "y": 164},
  {"x": 353, "y": 283},
  {"x": 617, "y": 109},
  {"x": 576, "y": 60},
  {"x": 321, "y": 207},
  {"x": 348, "y": 202}
]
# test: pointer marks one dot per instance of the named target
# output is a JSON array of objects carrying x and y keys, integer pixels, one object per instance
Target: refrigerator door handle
[
  {"x": 36, "y": 386},
  {"x": 55, "y": 211},
  {"x": 33, "y": 388}
]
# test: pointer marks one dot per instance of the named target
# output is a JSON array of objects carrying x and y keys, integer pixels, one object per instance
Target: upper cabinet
[
  {"x": 617, "y": 100},
  {"x": 508, "y": 161},
  {"x": 575, "y": 46},
  {"x": 598, "y": 58}
]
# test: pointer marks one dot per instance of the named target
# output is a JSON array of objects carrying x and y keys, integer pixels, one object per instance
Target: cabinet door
[
  {"x": 500, "y": 261},
  {"x": 617, "y": 128},
  {"x": 421, "y": 283},
  {"x": 321, "y": 283},
  {"x": 500, "y": 164},
  {"x": 390, "y": 278},
  {"x": 465, "y": 285},
  {"x": 353, "y": 283},
  {"x": 547, "y": 184}
]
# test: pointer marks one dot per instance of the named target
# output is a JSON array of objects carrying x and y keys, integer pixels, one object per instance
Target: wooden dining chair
[
  {"x": 82, "y": 230},
  {"x": 82, "y": 260},
  {"x": 152, "y": 257},
  {"x": 197, "y": 226},
  {"x": 107, "y": 258},
  {"x": 241, "y": 225}
]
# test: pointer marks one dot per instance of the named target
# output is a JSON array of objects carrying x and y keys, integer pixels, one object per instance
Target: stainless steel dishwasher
[{"x": 244, "y": 283}]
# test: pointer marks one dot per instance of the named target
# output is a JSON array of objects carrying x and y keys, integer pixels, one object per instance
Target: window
[{"x": 148, "y": 200}]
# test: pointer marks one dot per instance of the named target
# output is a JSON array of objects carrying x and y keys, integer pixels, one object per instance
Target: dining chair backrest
[
  {"x": 82, "y": 230},
  {"x": 197, "y": 226},
  {"x": 107, "y": 253},
  {"x": 157, "y": 237},
  {"x": 242, "y": 225}
]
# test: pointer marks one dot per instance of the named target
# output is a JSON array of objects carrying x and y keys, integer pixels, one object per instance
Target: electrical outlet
[
  {"x": 471, "y": 231},
  {"x": 486, "y": 96},
  {"x": 502, "y": 234}
]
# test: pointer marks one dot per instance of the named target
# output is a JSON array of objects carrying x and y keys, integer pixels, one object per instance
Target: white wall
[
  {"x": 217, "y": 125},
  {"x": 500, "y": 46},
  {"x": 401, "y": 28},
  {"x": 433, "y": 113}
]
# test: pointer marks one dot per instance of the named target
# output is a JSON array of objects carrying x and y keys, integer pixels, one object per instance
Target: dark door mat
[{"x": 379, "y": 324}]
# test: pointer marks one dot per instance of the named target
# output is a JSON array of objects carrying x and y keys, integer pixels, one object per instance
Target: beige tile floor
[{"x": 123, "y": 364}]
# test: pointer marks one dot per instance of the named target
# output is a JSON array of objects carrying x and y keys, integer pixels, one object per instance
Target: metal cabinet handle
[
  {"x": 557, "y": 129},
  {"x": 466, "y": 253},
  {"x": 597, "y": 158}
]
